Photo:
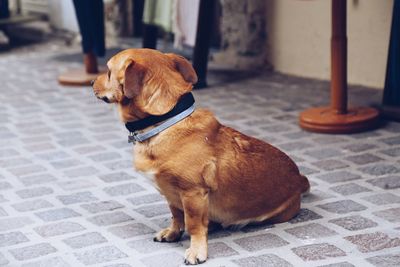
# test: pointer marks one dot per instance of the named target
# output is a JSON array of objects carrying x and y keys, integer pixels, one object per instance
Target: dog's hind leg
[{"x": 290, "y": 209}]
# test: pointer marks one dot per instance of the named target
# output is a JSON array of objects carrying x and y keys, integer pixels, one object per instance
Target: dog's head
[{"x": 146, "y": 79}]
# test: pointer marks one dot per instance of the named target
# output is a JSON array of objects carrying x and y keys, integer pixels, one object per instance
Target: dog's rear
[{"x": 263, "y": 184}]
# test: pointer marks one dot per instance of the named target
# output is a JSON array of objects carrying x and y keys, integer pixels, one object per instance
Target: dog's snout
[{"x": 105, "y": 99}]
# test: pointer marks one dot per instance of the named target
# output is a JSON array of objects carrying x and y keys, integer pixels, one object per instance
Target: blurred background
[{"x": 290, "y": 36}]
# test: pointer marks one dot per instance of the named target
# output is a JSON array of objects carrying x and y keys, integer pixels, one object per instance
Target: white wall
[{"x": 298, "y": 38}]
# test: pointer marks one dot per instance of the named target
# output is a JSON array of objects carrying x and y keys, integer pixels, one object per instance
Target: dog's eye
[{"x": 108, "y": 74}]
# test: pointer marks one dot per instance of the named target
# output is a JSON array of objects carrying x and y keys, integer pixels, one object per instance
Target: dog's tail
[{"x": 305, "y": 189}]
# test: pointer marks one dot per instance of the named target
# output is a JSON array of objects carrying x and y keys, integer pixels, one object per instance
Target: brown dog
[{"x": 206, "y": 171}]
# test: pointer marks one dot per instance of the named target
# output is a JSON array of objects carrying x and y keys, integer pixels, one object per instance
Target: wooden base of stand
[
  {"x": 327, "y": 120},
  {"x": 78, "y": 77}
]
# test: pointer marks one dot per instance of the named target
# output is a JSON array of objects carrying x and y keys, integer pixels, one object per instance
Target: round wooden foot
[
  {"x": 78, "y": 77},
  {"x": 327, "y": 120}
]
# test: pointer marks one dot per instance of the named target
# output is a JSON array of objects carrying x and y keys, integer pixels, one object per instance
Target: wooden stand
[
  {"x": 82, "y": 77},
  {"x": 338, "y": 118}
]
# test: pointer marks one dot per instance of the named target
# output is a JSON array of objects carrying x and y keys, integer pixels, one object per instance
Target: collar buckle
[{"x": 132, "y": 138}]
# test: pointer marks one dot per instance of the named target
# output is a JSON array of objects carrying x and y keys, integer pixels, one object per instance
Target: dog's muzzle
[{"x": 105, "y": 99}]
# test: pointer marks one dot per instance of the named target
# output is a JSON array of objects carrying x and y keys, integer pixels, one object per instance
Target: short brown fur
[{"x": 206, "y": 171}]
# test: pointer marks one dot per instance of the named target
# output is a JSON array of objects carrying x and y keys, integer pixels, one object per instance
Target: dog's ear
[
  {"x": 183, "y": 66},
  {"x": 153, "y": 96},
  {"x": 133, "y": 78}
]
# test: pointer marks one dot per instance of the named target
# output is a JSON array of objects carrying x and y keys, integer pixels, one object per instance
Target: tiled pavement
[{"x": 69, "y": 196}]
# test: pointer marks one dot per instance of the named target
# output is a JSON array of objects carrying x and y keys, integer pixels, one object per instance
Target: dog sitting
[{"x": 207, "y": 172}]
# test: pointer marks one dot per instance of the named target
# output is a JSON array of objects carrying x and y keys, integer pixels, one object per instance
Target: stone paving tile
[
  {"x": 339, "y": 176},
  {"x": 318, "y": 252},
  {"x": 391, "y": 140},
  {"x": 12, "y": 223},
  {"x": 3, "y": 213},
  {"x": 379, "y": 169},
  {"x": 382, "y": 199},
  {"x": 123, "y": 189},
  {"x": 393, "y": 152},
  {"x": 305, "y": 215},
  {"x": 65, "y": 163},
  {"x": 373, "y": 241},
  {"x": 100, "y": 255},
  {"x": 316, "y": 195},
  {"x": 339, "y": 264},
  {"x": 262, "y": 260},
  {"x": 5, "y": 186},
  {"x": 60, "y": 228},
  {"x": 34, "y": 192},
  {"x": 171, "y": 259},
  {"x": 220, "y": 249},
  {"x": 76, "y": 184},
  {"x": 153, "y": 210},
  {"x": 56, "y": 262},
  {"x": 119, "y": 165},
  {"x": 85, "y": 240},
  {"x": 391, "y": 215},
  {"x": 3, "y": 260},
  {"x": 323, "y": 153},
  {"x": 12, "y": 238},
  {"x": 385, "y": 260},
  {"x": 131, "y": 230},
  {"x": 37, "y": 179},
  {"x": 256, "y": 228},
  {"x": 57, "y": 214},
  {"x": 312, "y": 230},
  {"x": 342, "y": 206},
  {"x": 77, "y": 198},
  {"x": 70, "y": 197},
  {"x": 81, "y": 171},
  {"x": 147, "y": 245},
  {"x": 363, "y": 159},
  {"x": 102, "y": 206},
  {"x": 359, "y": 147},
  {"x": 258, "y": 242},
  {"x": 389, "y": 182},
  {"x": 116, "y": 177},
  {"x": 21, "y": 171},
  {"x": 31, "y": 252},
  {"x": 330, "y": 164},
  {"x": 105, "y": 156},
  {"x": 349, "y": 189},
  {"x": 110, "y": 218},
  {"x": 146, "y": 199},
  {"x": 354, "y": 223}
]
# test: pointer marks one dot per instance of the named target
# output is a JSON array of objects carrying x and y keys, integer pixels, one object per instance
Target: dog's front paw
[
  {"x": 168, "y": 235},
  {"x": 195, "y": 256}
]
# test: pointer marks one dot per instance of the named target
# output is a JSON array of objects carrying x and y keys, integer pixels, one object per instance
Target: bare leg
[{"x": 175, "y": 231}]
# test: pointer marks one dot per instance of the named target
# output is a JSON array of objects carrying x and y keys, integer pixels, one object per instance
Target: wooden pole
[{"x": 339, "y": 57}]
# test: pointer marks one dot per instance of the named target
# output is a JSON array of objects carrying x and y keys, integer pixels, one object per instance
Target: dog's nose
[
  {"x": 92, "y": 82},
  {"x": 105, "y": 99}
]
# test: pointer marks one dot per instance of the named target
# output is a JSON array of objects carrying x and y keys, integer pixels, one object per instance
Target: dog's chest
[
  {"x": 150, "y": 175},
  {"x": 146, "y": 166}
]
